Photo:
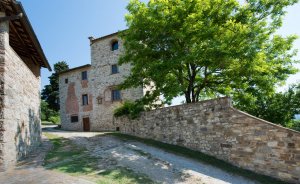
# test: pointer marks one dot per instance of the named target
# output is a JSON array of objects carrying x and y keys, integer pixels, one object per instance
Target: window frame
[
  {"x": 85, "y": 98},
  {"x": 114, "y": 66},
  {"x": 113, "y": 95},
  {"x": 84, "y": 75},
  {"x": 72, "y": 119},
  {"x": 66, "y": 80},
  {"x": 115, "y": 45}
]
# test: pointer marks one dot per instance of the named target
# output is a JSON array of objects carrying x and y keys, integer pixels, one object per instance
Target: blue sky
[{"x": 63, "y": 27}]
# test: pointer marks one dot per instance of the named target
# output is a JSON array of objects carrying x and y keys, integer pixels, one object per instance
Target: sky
[{"x": 63, "y": 28}]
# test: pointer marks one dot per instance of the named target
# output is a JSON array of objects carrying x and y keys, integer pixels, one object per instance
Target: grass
[
  {"x": 71, "y": 159},
  {"x": 62, "y": 149},
  {"x": 123, "y": 176},
  {"x": 47, "y": 123},
  {"x": 179, "y": 150}
]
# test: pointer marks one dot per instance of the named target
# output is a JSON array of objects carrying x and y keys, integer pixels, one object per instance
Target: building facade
[
  {"x": 21, "y": 59},
  {"x": 89, "y": 94}
]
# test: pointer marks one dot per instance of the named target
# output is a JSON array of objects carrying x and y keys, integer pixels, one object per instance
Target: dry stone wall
[{"x": 214, "y": 127}]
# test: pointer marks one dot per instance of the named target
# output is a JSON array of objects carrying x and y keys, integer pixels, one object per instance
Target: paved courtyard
[{"x": 112, "y": 152}]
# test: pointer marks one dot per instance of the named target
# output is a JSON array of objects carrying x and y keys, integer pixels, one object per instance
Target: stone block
[{"x": 272, "y": 143}]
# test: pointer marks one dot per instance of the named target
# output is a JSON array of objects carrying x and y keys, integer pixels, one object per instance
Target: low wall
[{"x": 214, "y": 127}]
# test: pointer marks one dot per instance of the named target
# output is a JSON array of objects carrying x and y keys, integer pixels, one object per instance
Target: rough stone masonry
[
  {"x": 97, "y": 87},
  {"x": 214, "y": 127},
  {"x": 20, "y": 130}
]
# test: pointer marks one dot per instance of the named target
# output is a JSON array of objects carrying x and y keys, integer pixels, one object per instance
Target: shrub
[
  {"x": 54, "y": 119},
  {"x": 130, "y": 109},
  {"x": 294, "y": 124}
]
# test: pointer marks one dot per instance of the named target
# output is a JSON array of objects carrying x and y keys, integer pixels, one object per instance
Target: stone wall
[
  {"x": 22, "y": 109},
  {"x": 20, "y": 129},
  {"x": 214, "y": 127},
  {"x": 3, "y": 37}
]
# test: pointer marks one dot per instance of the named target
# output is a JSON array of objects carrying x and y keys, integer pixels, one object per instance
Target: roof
[
  {"x": 74, "y": 69},
  {"x": 21, "y": 35},
  {"x": 93, "y": 40}
]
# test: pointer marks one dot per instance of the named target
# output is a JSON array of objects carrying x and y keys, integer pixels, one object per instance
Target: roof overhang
[
  {"x": 74, "y": 69},
  {"x": 21, "y": 35}
]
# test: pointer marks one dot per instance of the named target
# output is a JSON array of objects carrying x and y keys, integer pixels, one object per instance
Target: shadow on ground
[{"x": 111, "y": 159}]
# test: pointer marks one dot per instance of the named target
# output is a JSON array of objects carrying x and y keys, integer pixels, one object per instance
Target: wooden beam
[
  {"x": 11, "y": 18},
  {"x": 24, "y": 47}
]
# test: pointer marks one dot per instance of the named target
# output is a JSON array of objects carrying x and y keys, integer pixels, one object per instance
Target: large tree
[
  {"x": 51, "y": 92},
  {"x": 279, "y": 108},
  {"x": 197, "y": 48}
]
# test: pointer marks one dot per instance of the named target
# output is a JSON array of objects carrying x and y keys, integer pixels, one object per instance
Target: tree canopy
[
  {"x": 199, "y": 48},
  {"x": 51, "y": 92},
  {"x": 279, "y": 108}
]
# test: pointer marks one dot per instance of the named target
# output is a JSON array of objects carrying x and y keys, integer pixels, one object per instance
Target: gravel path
[{"x": 160, "y": 166}]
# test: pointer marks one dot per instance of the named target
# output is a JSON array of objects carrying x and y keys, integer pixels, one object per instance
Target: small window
[
  {"x": 85, "y": 100},
  {"x": 74, "y": 119},
  {"x": 66, "y": 80},
  {"x": 118, "y": 129},
  {"x": 115, "y": 45},
  {"x": 114, "y": 69},
  {"x": 84, "y": 75},
  {"x": 116, "y": 95}
]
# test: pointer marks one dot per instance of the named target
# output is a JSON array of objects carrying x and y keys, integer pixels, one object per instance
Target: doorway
[{"x": 86, "y": 124}]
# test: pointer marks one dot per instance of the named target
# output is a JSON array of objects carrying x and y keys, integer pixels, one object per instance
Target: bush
[
  {"x": 130, "y": 109},
  {"x": 54, "y": 119},
  {"x": 294, "y": 124}
]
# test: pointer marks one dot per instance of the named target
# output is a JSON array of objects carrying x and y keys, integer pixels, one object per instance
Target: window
[
  {"x": 66, "y": 80},
  {"x": 74, "y": 119},
  {"x": 115, "y": 45},
  {"x": 114, "y": 69},
  {"x": 116, "y": 95},
  {"x": 85, "y": 100},
  {"x": 84, "y": 75}
]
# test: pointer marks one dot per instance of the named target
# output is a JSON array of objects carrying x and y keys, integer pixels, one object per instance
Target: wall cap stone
[
  {"x": 227, "y": 99},
  {"x": 264, "y": 121}
]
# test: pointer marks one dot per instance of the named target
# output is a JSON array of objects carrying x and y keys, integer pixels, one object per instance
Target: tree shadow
[{"x": 27, "y": 138}]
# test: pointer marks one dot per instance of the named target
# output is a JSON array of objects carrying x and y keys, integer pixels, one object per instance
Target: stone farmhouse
[
  {"x": 21, "y": 59},
  {"x": 88, "y": 94}
]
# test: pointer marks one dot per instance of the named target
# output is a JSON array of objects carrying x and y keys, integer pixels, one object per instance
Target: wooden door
[{"x": 86, "y": 124}]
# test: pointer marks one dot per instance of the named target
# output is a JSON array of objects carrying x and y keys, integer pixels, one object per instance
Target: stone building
[
  {"x": 21, "y": 59},
  {"x": 88, "y": 94}
]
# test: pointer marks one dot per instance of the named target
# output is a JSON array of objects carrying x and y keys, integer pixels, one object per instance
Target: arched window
[{"x": 115, "y": 45}]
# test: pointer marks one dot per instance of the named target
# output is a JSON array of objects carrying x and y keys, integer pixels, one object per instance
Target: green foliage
[
  {"x": 279, "y": 108},
  {"x": 48, "y": 114},
  {"x": 133, "y": 109},
  {"x": 294, "y": 124},
  {"x": 199, "y": 48},
  {"x": 130, "y": 109},
  {"x": 50, "y": 93},
  {"x": 54, "y": 119}
]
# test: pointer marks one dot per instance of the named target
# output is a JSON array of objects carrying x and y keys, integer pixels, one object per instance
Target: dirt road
[{"x": 158, "y": 165}]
